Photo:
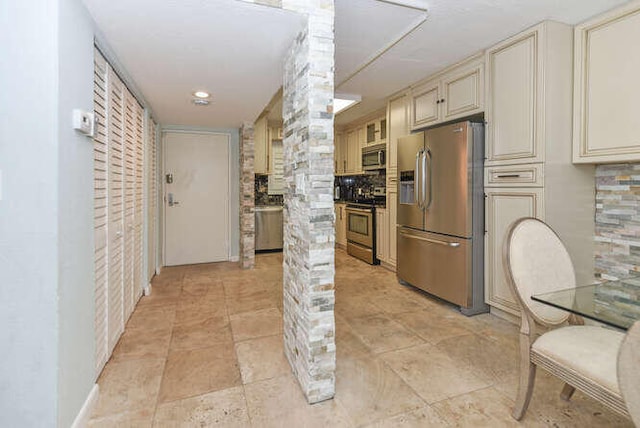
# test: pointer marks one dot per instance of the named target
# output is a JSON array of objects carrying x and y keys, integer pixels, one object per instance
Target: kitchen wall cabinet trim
[
  {"x": 607, "y": 88},
  {"x": 515, "y": 176}
]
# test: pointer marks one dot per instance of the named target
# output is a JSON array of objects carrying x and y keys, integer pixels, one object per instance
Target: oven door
[{"x": 360, "y": 226}]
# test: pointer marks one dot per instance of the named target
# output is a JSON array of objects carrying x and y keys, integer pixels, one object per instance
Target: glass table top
[{"x": 615, "y": 303}]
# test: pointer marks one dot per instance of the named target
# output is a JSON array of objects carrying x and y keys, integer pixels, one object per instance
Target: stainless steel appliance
[
  {"x": 361, "y": 232},
  {"x": 374, "y": 157},
  {"x": 441, "y": 213},
  {"x": 268, "y": 228}
]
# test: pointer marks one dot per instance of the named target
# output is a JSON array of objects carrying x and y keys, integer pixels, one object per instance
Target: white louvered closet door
[
  {"x": 138, "y": 238},
  {"x": 129, "y": 201},
  {"x": 116, "y": 188},
  {"x": 152, "y": 198},
  {"x": 100, "y": 210}
]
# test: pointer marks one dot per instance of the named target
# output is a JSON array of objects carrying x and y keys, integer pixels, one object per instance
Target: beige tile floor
[{"x": 205, "y": 349}]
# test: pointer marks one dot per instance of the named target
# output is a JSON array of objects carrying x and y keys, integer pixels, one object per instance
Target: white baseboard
[
  {"x": 234, "y": 258},
  {"x": 82, "y": 420},
  {"x": 147, "y": 290}
]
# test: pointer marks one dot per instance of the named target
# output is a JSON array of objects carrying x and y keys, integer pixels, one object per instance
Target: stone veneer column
[
  {"x": 309, "y": 230},
  {"x": 309, "y": 233},
  {"x": 247, "y": 197}
]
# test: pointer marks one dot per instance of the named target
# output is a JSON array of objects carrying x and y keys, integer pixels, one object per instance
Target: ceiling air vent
[{"x": 200, "y": 102}]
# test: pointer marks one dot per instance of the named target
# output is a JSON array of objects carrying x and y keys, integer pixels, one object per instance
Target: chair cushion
[{"x": 589, "y": 351}]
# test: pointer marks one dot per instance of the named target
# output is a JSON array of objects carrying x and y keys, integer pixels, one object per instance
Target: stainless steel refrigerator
[{"x": 441, "y": 213}]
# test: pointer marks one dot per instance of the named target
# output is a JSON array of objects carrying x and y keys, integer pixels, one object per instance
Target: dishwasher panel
[{"x": 268, "y": 228}]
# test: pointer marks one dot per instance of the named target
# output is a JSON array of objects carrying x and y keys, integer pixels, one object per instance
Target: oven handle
[
  {"x": 433, "y": 241},
  {"x": 360, "y": 210}
]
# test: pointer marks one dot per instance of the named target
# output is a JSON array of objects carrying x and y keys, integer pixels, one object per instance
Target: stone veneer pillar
[
  {"x": 309, "y": 230},
  {"x": 247, "y": 197}
]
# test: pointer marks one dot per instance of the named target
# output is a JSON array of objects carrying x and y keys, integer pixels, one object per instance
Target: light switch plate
[{"x": 84, "y": 122}]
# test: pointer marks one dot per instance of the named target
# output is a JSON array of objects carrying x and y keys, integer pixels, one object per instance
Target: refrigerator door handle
[
  {"x": 417, "y": 180},
  {"x": 426, "y": 179},
  {"x": 433, "y": 241}
]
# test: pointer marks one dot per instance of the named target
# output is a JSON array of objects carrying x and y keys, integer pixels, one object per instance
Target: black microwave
[{"x": 374, "y": 157}]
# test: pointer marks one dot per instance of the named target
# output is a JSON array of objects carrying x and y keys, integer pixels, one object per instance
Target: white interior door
[{"x": 196, "y": 198}]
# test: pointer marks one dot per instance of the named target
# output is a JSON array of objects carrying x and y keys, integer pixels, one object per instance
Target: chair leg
[
  {"x": 526, "y": 380},
  {"x": 567, "y": 392}
]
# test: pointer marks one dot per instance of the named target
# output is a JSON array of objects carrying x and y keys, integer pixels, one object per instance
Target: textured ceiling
[
  {"x": 171, "y": 48},
  {"x": 235, "y": 49}
]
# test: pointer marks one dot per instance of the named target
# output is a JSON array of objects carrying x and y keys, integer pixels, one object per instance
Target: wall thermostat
[{"x": 84, "y": 122}]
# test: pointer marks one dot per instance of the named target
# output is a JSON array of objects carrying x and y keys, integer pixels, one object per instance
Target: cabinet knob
[
  {"x": 438, "y": 102},
  {"x": 442, "y": 100}
]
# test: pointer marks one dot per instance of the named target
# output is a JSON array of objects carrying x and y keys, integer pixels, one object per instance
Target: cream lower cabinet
[
  {"x": 392, "y": 215},
  {"x": 341, "y": 224},
  {"x": 382, "y": 235},
  {"x": 504, "y": 206},
  {"x": 607, "y": 88}
]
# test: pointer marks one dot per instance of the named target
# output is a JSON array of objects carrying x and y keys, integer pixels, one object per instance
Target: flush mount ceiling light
[
  {"x": 201, "y": 94},
  {"x": 342, "y": 102}
]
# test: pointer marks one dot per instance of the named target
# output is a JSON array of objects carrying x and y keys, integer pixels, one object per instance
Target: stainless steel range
[{"x": 361, "y": 232}]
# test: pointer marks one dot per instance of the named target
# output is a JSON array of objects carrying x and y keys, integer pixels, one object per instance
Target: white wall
[
  {"x": 234, "y": 191},
  {"x": 76, "y": 353},
  {"x": 46, "y": 213},
  {"x": 28, "y": 213}
]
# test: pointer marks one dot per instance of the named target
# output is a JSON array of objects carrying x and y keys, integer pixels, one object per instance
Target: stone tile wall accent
[
  {"x": 309, "y": 230},
  {"x": 247, "y": 197},
  {"x": 617, "y": 220}
]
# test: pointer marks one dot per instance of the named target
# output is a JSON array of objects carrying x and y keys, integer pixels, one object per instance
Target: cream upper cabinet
[
  {"x": 261, "y": 146},
  {"x": 503, "y": 207},
  {"x": 352, "y": 151},
  {"x": 607, "y": 87},
  {"x": 425, "y": 103},
  {"x": 456, "y": 92},
  {"x": 338, "y": 153},
  {"x": 528, "y": 85},
  {"x": 398, "y": 121},
  {"x": 463, "y": 91},
  {"x": 376, "y": 131}
]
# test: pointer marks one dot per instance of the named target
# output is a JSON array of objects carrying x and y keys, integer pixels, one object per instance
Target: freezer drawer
[{"x": 437, "y": 264}]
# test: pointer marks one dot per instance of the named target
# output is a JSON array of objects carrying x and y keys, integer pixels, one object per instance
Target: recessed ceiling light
[{"x": 201, "y": 94}]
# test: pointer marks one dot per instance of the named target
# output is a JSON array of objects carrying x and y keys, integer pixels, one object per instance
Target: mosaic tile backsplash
[
  {"x": 617, "y": 220},
  {"x": 262, "y": 192}
]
